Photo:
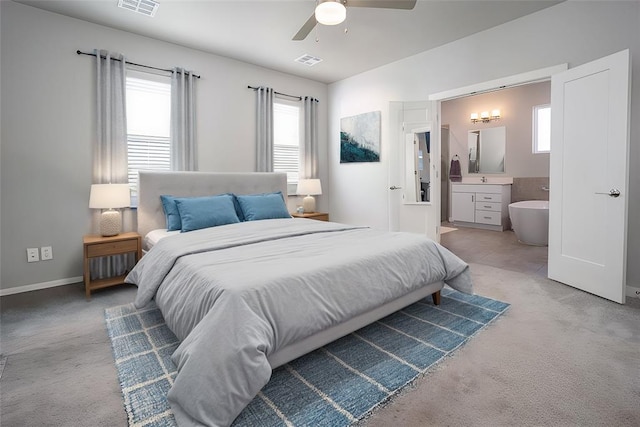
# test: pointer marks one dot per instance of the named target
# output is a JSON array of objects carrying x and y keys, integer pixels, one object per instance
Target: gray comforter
[{"x": 237, "y": 293}]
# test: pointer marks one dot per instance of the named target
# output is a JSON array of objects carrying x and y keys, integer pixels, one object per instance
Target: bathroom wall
[
  {"x": 515, "y": 105},
  {"x": 530, "y": 188}
]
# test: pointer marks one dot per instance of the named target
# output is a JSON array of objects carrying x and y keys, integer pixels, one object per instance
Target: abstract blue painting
[{"x": 360, "y": 138}]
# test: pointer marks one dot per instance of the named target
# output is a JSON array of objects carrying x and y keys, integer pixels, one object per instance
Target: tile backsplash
[{"x": 529, "y": 189}]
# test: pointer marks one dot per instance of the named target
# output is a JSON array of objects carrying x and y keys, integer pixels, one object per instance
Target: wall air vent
[
  {"x": 145, "y": 7},
  {"x": 308, "y": 60}
]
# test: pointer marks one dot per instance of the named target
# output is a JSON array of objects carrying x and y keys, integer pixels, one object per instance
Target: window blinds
[
  {"x": 148, "y": 124},
  {"x": 286, "y": 139}
]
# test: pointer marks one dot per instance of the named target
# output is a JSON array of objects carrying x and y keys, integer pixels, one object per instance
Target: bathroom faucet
[{"x": 483, "y": 179}]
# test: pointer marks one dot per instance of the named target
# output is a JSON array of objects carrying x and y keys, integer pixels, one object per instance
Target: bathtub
[{"x": 530, "y": 221}]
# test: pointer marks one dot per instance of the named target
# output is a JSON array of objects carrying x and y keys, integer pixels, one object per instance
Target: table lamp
[
  {"x": 110, "y": 197},
  {"x": 310, "y": 188}
]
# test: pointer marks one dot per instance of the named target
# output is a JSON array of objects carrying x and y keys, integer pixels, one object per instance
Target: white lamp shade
[
  {"x": 109, "y": 196},
  {"x": 331, "y": 12},
  {"x": 309, "y": 187}
]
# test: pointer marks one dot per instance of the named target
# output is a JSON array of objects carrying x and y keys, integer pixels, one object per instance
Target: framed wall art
[{"x": 360, "y": 138}]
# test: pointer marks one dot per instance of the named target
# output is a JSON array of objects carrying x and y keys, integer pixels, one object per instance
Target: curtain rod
[
  {"x": 284, "y": 94},
  {"x": 132, "y": 63}
]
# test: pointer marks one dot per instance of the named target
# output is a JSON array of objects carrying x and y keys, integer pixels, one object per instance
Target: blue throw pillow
[
  {"x": 263, "y": 206},
  {"x": 171, "y": 212},
  {"x": 208, "y": 211},
  {"x": 236, "y": 205}
]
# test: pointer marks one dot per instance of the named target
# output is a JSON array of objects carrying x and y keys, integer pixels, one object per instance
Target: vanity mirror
[{"x": 487, "y": 150}]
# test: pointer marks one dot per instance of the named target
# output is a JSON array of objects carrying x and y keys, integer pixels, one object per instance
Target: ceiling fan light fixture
[{"x": 331, "y": 12}]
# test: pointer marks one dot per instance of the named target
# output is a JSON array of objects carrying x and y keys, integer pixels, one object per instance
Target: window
[
  {"x": 286, "y": 140},
  {"x": 542, "y": 129},
  {"x": 148, "y": 125}
]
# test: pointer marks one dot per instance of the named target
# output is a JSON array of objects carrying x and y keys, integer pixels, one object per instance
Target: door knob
[
  {"x": 393, "y": 187},
  {"x": 614, "y": 192}
]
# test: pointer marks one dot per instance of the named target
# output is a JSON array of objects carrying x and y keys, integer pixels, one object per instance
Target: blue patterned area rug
[{"x": 336, "y": 385}]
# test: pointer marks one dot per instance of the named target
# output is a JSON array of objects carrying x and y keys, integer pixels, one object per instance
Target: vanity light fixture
[{"x": 485, "y": 117}]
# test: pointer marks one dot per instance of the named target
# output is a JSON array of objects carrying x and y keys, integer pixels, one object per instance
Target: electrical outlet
[
  {"x": 47, "y": 252},
  {"x": 33, "y": 255}
]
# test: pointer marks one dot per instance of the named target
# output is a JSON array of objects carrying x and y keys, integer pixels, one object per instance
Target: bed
[{"x": 247, "y": 297}]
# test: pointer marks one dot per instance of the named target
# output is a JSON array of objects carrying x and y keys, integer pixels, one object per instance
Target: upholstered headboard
[{"x": 152, "y": 185}]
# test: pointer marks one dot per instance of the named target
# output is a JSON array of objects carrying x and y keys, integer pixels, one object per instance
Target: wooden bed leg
[{"x": 436, "y": 298}]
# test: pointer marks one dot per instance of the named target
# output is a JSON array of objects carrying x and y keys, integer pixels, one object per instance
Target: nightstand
[
  {"x": 99, "y": 246},
  {"x": 320, "y": 216}
]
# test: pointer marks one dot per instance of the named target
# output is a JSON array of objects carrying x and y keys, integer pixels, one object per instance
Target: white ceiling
[{"x": 260, "y": 31}]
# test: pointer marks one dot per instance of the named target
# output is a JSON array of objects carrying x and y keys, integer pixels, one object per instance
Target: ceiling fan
[{"x": 333, "y": 12}]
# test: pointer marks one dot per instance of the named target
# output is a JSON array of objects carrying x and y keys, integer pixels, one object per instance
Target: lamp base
[
  {"x": 110, "y": 223},
  {"x": 309, "y": 204}
]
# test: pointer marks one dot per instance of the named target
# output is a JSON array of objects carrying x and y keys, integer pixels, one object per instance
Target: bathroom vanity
[{"x": 481, "y": 205}]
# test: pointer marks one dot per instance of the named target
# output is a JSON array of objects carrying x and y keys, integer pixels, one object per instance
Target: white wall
[
  {"x": 47, "y": 125},
  {"x": 571, "y": 32}
]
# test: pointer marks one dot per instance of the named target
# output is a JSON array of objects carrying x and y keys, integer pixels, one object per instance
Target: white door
[
  {"x": 589, "y": 176},
  {"x": 407, "y": 119}
]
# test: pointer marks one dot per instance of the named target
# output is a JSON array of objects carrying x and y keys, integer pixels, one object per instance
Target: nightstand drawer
[
  {"x": 318, "y": 216},
  {"x": 111, "y": 248}
]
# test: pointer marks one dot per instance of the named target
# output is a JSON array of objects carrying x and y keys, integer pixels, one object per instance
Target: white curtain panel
[
  {"x": 309, "y": 149},
  {"x": 264, "y": 129},
  {"x": 110, "y": 146},
  {"x": 184, "y": 156}
]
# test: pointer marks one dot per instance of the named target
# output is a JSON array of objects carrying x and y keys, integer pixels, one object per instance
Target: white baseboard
[
  {"x": 633, "y": 292},
  {"x": 38, "y": 286}
]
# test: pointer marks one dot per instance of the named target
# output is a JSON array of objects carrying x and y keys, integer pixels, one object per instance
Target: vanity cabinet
[
  {"x": 481, "y": 205},
  {"x": 463, "y": 206}
]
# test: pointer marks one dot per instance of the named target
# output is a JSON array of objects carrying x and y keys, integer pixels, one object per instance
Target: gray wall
[
  {"x": 515, "y": 106},
  {"x": 571, "y": 32},
  {"x": 48, "y": 124}
]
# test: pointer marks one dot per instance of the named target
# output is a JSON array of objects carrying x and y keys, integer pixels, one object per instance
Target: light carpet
[
  {"x": 444, "y": 229},
  {"x": 336, "y": 385}
]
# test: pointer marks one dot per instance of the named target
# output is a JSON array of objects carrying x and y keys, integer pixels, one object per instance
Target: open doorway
[{"x": 515, "y": 160}]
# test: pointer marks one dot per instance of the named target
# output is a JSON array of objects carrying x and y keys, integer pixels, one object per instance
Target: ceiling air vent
[
  {"x": 308, "y": 60},
  {"x": 145, "y": 7}
]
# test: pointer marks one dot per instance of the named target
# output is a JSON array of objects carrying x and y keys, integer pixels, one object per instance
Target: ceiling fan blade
[
  {"x": 383, "y": 4},
  {"x": 306, "y": 28}
]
